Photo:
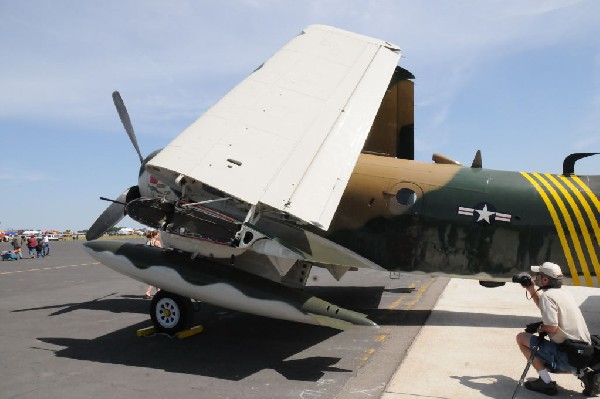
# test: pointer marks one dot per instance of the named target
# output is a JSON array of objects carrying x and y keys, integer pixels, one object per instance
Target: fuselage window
[{"x": 406, "y": 196}]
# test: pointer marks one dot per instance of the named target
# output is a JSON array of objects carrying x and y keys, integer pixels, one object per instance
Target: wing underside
[{"x": 288, "y": 136}]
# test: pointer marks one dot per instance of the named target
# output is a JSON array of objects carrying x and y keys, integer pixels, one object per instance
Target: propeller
[
  {"x": 124, "y": 115},
  {"x": 113, "y": 214},
  {"x": 117, "y": 211}
]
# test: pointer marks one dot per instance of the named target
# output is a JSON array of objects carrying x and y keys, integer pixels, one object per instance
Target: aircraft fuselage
[{"x": 413, "y": 216}]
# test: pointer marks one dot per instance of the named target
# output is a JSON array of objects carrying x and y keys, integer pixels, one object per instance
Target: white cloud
[
  {"x": 67, "y": 53},
  {"x": 10, "y": 175},
  {"x": 539, "y": 7},
  {"x": 172, "y": 60}
]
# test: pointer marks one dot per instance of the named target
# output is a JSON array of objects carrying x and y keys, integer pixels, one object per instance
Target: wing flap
[{"x": 289, "y": 135}]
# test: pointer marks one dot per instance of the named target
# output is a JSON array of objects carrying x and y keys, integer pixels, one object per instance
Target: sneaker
[
  {"x": 540, "y": 386},
  {"x": 591, "y": 383}
]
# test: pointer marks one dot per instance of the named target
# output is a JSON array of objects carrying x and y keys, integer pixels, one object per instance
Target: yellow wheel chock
[
  {"x": 148, "y": 331},
  {"x": 145, "y": 332},
  {"x": 190, "y": 332}
]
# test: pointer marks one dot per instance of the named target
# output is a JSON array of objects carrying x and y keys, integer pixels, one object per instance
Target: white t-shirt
[{"x": 560, "y": 309}]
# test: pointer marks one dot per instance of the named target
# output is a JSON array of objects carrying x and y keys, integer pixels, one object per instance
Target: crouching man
[{"x": 561, "y": 320}]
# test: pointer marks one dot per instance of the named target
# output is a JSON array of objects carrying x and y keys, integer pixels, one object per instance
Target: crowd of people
[{"x": 38, "y": 247}]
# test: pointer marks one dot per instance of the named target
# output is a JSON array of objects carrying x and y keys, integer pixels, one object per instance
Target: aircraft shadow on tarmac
[
  {"x": 236, "y": 345},
  {"x": 416, "y": 317},
  {"x": 466, "y": 319},
  {"x": 233, "y": 348},
  {"x": 366, "y": 300},
  {"x": 124, "y": 304}
]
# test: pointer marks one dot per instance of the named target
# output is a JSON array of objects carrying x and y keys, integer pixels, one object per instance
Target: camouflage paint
[
  {"x": 220, "y": 285},
  {"x": 470, "y": 221}
]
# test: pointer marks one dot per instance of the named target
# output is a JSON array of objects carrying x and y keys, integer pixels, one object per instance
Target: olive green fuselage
[{"x": 437, "y": 218}]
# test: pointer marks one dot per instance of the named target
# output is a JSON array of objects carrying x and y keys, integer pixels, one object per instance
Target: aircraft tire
[{"x": 170, "y": 313}]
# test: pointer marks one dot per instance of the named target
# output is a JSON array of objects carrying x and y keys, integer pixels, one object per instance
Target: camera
[
  {"x": 522, "y": 278},
  {"x": 532, "y": 328}
]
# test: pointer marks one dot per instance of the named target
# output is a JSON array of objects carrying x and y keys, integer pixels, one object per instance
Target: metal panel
[{"x": 294, "y": 128}]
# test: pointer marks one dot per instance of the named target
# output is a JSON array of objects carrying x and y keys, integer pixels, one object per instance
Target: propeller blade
[
  {"x": 113, "y": 214},
  {"x": 126, "y": 122}
]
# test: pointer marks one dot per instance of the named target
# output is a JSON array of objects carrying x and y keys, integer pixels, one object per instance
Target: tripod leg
[{"x": 529, "y": 362}]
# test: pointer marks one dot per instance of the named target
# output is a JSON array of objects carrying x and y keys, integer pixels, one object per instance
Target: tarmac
[
  {"x": 68, "y": 329},
  {"x": 467, "y": 348}
]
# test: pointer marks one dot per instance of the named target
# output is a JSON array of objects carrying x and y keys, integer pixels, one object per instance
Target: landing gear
[{"x": 170, "y": 313}]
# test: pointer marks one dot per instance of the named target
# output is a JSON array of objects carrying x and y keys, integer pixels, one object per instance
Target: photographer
[{"x": 561, "y": 320}]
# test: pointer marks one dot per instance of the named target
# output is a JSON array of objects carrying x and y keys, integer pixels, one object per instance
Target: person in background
[
  {"x": 46, "y": 242},
  {"x": 39, "y": 248},
  {"x": 153, "y": 241},
  {"x": 31, "y": 245},
  {"x": 17, "y": 243}
]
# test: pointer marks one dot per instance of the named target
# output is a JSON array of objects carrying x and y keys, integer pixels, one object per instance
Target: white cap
[{"x": 549, "y": 269}]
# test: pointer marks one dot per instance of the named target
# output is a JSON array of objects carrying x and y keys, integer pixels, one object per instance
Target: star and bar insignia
[{"x": 484, "y": 213}]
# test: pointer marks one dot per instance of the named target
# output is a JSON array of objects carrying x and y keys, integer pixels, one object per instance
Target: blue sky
[{"x": 519, "y": 80}]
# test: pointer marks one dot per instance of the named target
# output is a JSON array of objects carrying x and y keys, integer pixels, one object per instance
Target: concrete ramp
[{"x": 467, "y": 348}]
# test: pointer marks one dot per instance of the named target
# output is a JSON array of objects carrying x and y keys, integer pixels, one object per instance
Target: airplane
[{"x": 309, "y": 162}]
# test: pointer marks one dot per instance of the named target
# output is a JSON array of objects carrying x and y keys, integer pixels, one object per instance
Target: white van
[{"x": 51, "y": 237}]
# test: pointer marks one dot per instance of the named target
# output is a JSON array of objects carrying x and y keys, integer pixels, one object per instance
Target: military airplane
[{"x": 309, "y": 162}]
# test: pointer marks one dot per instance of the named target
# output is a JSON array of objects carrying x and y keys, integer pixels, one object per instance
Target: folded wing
[{"x": 288, "y": 136}]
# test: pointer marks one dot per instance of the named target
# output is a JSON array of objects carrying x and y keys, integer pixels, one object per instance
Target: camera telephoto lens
[{"x": 522, "y": 278}]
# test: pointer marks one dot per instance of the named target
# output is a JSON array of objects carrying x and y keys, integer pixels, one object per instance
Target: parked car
[{"x": 51, "y": 237}]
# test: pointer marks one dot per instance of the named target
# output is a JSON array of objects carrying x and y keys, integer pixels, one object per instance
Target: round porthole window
[{"x": 406, "y": 196}]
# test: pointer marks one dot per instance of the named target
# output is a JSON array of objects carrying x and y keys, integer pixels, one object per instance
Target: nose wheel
[{"x": 170, "y": 313}]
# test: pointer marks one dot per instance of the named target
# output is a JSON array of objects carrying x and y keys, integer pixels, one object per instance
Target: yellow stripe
[
  {"x": 559, "y": 229},
  {"x": 582, "y": 226},
  {"x": 588, "y": 192},
  {"x": 397, "y": 302},
  {"x": 571, "y": 227},
  {"x": 586, "y": 206}
]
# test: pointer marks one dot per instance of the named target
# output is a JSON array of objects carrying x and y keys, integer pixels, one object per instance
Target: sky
[{"x": 519, "y": 80}]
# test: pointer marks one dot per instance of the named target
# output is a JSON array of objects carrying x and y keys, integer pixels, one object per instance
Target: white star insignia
[{"x": 484, "y": 214}]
